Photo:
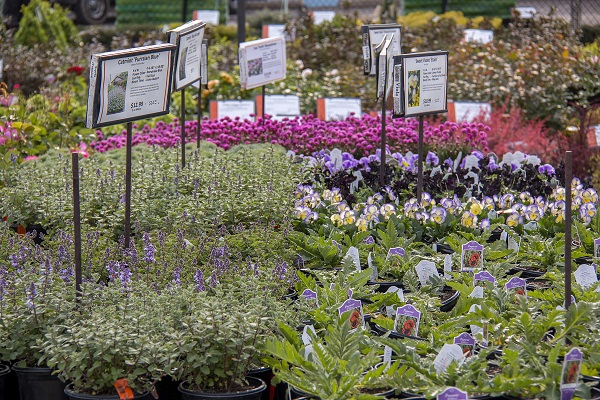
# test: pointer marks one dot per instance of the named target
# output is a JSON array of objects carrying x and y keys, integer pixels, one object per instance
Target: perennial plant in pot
[
  {"x": 115, "y": 333},
  {"x": 216, "y": 336}
]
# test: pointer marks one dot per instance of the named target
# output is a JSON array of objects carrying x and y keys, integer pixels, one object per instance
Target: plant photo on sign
[
  {"x": 414, "y": 88},
  {"x": 116, "y": 93},
  {"x": 255, "y": 67}
]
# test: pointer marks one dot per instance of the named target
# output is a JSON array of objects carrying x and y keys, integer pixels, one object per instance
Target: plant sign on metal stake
[
  {"x": 187, "y": 67},
  {"x": 261, "y": 62},
  {"x": 125, "y": 86},
  {"x": 383, "y": 85},
  {"x": 76, "y": 221},
  {"x": 420, "y": 88},
  {"x": 568, "y": 201},
  {"x": 380, "y": 43}
]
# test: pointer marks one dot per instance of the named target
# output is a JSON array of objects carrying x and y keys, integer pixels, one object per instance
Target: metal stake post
[
  {"x": 76, "y": 222},
  {"x": 264, "y": 104},
  {"x": 420, "y": 166},
  {"x": 568, "y": 201},
  {"x": 128, "y": 186},
  {"x": 182, "y": 124},
  {"x": 383, "y": 140},
  {"x": 199, "y": 127}
]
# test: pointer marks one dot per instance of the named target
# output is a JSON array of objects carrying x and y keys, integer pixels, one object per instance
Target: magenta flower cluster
[{"x": 307, "y": 134}]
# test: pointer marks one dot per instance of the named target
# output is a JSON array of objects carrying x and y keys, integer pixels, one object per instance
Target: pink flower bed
[{"x": 307, "y": 134}]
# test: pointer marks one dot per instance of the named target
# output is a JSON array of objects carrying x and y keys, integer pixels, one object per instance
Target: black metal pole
[
  {"x": 76, "y": 222},
  {"x": 128, "y": 186},
  {"x": 241, "y": 21},
  {"x": 420, "y": 167},
  {"x": 184, "y": 12},
  {"x": 264, "y": 103},
  {"x": 199, "y": 125},
  {"x": 568, "y": 201},
  {"x": 445, "y": 5},
  {"x": 182, "y": 124},
  {"x": 383, "y": 140}
]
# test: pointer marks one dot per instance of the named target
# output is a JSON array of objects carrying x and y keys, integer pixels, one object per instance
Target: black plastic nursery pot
[
  {"x": 39, "y": 384},
  {"x": 255, "y": 393},
  {"x": 393, "y": 334},
  {"x": 167, "y": 389},
  {"x": 37, "y": 228},
  {"x": 525, "y": 273},
  {"x": 72, "y": 395},
  {"x": 10, "y": 383},
  {"x": 4, "y": 371},
  {"x": 383, "y": 286},
  {"x": 264, "y": 374}
]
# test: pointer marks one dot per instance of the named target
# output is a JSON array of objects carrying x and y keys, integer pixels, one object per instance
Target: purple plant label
[
  {"x": 597, "y": 247},
  {"x": 395, "y": 251},
  {"x": 354, "y": 307},
  {"x": 452, "y": 393},
  {"x": 407, "y": 320},
  {"x": 466, "y": 343},
  {"x": 480, "y": 278},
  {"x": 369, "y": 240},
  {"x": 518, "y": 286},
  {"x": 472, "y": 256},
  {"x": 570, "y": 373},
  {"x": 310, "y": 296}
]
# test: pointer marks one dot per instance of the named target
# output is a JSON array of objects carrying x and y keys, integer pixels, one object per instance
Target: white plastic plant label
[
  {"x": 504, "y": 236},
  {"x": 308, "y": 352},
  {"x": 585, "y": 275},
  {"x": 570, "y": 373},
  {"x": 449, "y": 353},
  {"x": 477, "y": 292},
  {"x": 425, "y": 270},
  {"x": 475, "y": 329},
  {"x": 447, "y": 266},
  {"x": 513, "y": 245},
  {"x": 353, "y": 253},
  {"x": 306, "y": 338},
  {"x": 398, "y": 291},
  {"x": 387, "y": 356}
]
